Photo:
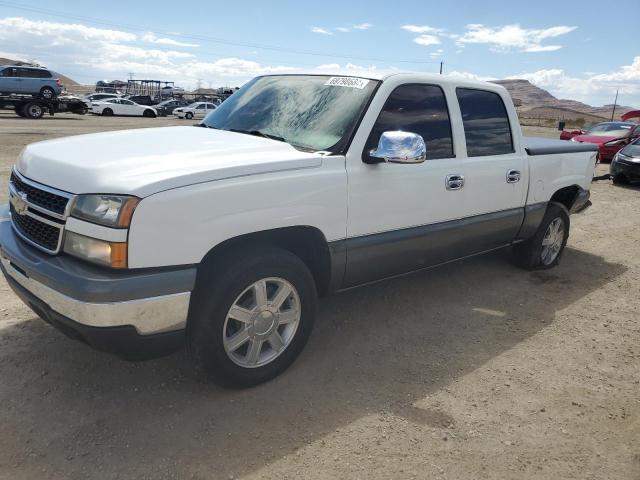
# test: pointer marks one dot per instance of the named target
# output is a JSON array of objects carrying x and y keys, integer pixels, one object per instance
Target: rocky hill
[{"x": 534, "y": 97}]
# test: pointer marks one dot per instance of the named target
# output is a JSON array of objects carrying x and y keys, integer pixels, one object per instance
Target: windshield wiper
[{"x": 258, "y": 133}]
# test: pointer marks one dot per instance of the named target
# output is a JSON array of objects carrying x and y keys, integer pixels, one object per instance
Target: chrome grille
[
  {"x": 45, "y": 199},
  {"x": 46, "y": 236},
  {"x": 38, "y": 212}
]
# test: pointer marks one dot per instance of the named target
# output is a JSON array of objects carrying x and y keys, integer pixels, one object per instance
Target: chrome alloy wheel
[
  {"x": 552, "y": 241},
  {"x": 262, "y": 322}
]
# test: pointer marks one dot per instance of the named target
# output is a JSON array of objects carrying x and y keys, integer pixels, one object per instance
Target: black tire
[
  {"x": 32, "y": 110},
  {"x": 219, "y": 285},
  {"x": 148, "y": 113},
  {"x": 620, "y": 180},
  {"x": 47, "y": 93},
  {"x": 529, "y": 254},
  {"x": 188, "y": 115},
  {"x": 107, "y": 112}
]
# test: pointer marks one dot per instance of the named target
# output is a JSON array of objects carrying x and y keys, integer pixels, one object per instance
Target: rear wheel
[
  {"x": 107, "y": 112},
  {"x": 252, "y": 315},
  {"x": 47, "y": 92},
  {"x": 33, "y": 110},
  {"x": 544, "y": 249}
]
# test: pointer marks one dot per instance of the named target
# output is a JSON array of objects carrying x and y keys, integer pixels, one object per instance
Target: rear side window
[
  {"x": 486, "y": 124},
  {"x": 420, "y": 109}
]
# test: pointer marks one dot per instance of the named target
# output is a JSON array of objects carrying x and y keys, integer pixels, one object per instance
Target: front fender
[{"x": 179, "y": 226}]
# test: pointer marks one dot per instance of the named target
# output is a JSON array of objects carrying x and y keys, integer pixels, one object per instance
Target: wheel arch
[
  {"x": 306, "y": 242},
  {"x": 566, "y": 196}
]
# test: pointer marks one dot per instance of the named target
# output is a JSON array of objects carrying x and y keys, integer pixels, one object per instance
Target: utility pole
[
  {"x": 615, "y": 102},
  {"x": 441, "y": 63},
  {"x": 131, "y": 75}
]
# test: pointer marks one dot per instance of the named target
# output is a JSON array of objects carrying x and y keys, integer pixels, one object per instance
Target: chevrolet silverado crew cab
[{"x": 222, "y": 236}]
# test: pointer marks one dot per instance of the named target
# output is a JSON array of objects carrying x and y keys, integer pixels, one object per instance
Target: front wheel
[
  {"x": 107, "y": 112},
  {"x": 544, "y": 249},
  {"x": 188, "y": 115},
  {"x": 148, "y": 113},
  {"x": 619, "y": 179},
  {"x": 252, "y": 315}
]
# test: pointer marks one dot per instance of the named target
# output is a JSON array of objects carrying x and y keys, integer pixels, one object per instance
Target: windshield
[
  {"x": 308, "y": 111},
  {"x": 610, "y": 129}
]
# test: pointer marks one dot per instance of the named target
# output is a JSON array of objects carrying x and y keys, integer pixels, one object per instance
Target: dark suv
[{"x": 29, "y": 81}]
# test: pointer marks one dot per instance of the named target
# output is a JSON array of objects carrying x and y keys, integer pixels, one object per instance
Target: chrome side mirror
[{"x": 400, "y": 147}]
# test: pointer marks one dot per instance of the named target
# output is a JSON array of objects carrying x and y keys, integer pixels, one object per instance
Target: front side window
[
  {"x": 420, "y": 109},
  {"x": 486, "y": 124}
]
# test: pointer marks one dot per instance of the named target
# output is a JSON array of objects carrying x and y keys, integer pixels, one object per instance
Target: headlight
[
  {"x": 108, "y": 210},
  {"x": 573, "y": 139},
  {"x": 101, "y": 252},
  {"x": 613, "y": 143}
]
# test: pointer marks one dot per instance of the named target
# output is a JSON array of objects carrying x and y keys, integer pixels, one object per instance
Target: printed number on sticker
[{"x": 351, "y": 82}]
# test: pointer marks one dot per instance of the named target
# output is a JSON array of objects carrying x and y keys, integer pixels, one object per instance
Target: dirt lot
[{"x": 475, "y": 370}]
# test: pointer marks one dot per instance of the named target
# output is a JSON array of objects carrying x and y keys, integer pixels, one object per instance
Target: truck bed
[{"x": 549, "y": 146}]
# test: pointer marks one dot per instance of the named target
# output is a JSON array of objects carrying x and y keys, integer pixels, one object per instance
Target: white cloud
[
  {"x": 342, "y": 29},
  {"x": 321, "y": 31},
  {"x": 151, "y": 38},
  {"x": 426, "y": 40},
  {"x": 362, "y": 26},
  {"x": 437, "y": 54},
  {"x": 421, "y": 29},
  {"x": 513, "y": 37},
  {"x": 427, "y": 35},
  {"x": 58, "y": 33},
  {"x": 348, "y": 66}
]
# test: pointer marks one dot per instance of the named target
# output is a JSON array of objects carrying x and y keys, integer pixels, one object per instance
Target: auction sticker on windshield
[{"x": 352, "y": 82}]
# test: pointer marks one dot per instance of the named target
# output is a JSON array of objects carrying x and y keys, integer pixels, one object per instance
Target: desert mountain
[{"x": 533, "y": 97}]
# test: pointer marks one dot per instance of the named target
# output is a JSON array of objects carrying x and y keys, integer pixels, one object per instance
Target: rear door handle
[
  {"x": 455, "y": 181},
  {"x": 513, "y": 176}
]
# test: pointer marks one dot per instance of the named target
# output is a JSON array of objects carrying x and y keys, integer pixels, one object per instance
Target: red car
[{"x": 609, "y": 136}]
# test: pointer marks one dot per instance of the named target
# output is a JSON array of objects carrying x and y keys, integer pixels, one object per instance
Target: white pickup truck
[{"x": 221, "y": 236}]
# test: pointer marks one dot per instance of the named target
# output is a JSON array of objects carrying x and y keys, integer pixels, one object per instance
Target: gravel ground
[{"x": 475, "y": 370}]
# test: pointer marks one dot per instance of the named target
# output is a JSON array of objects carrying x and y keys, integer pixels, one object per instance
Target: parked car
[
  {"x": 168, "y": 106},
  {"x": 194, "y": 110},
  {"x": 223, "y": 237},
  {"x": 141, "y": 99},
  {"x": 625, "y": 166},
  {"x": 609, "y": 137},
  {"x": 122, "y": 106},
  {"x": 169, "y": 91},
  {"x": 29, "y": 81},
  {"x": 98, "y": 97}
]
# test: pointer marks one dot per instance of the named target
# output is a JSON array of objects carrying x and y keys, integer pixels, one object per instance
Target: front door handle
[
  {"x": 513, "y": 176},
  {"x": 454, "y": 181}
]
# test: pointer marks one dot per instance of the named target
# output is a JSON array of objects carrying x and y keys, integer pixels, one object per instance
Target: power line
[{"x": 203, "y": 38}]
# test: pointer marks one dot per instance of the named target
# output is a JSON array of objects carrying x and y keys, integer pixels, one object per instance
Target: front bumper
[
  {"x": 630, "y": 170},
  {"x": 136, "y": 314}
]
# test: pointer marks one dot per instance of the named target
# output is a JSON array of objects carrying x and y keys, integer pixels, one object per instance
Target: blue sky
[{"x": 570, "y": 50}]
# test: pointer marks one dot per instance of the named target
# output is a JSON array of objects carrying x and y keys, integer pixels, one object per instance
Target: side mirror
[{"x": 400, "y": 147}]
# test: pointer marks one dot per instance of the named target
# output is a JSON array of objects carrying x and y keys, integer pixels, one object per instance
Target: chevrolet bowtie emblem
[{"x": 19, "y": 203}]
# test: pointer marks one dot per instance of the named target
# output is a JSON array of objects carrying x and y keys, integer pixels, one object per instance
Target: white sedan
[
  {"x": 195, "y": 110},
  {"x": 122, "y": 106}
]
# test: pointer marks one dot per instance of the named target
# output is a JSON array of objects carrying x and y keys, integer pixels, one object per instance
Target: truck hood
[{"x": 145, "y": 161}]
